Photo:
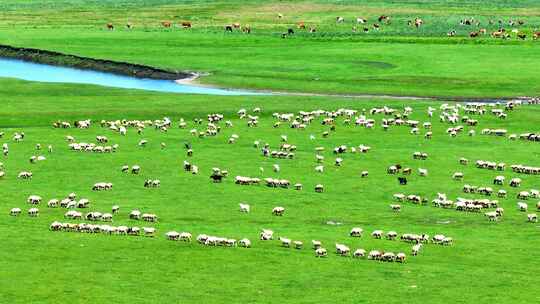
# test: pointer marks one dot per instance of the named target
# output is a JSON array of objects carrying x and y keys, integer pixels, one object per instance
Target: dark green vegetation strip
[{"x": 115, "y": 67}]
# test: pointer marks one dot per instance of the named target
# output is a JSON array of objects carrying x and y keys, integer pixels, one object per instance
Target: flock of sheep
[{"x": 452, "y": 115}]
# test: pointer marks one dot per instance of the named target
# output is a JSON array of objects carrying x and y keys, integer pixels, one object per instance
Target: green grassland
[
  {"x": 488, "y": 263},
  {"x": 397, "y": 60}
]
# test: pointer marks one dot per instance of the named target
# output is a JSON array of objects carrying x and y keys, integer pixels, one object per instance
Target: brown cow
[
  {"x": 498, "y": 34},
  {"x": 384, "y": 18},
  {"x": 110, "y": 26},
  {"x": 166, "y": 24},
  {"x": 536, "y": 35},
  {"x": 301, "y": 25},
  {"x": 186, "y": 24},
  {"x": 473, "y": 34}
]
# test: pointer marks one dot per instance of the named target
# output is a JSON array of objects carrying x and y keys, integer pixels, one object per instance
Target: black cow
[
  {"x": 402, "y": 180},
  {"x": 216, "y": 177}
]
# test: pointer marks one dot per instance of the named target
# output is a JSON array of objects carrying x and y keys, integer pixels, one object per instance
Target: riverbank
[{"x": 85, "y": 63}]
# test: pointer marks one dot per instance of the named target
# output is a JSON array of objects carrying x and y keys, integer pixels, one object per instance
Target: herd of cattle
[
  {"x": 504, "y": 29},
  {"x": 451, "y": 115}
]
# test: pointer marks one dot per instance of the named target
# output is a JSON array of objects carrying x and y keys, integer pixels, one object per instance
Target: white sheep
[
  {"x": 492, "y": 215},
  {"x": 149, "y": 231},
  {"x": 395, "y": 207},
  {"x": 285, "y": 242},
  {"x": 279, "y": 211},
  {"x": 244, "y": 208},
  {"x": 416, "y": 248},
  {"x": 33, "y": 212},
  {"x": 15, "y": 211},
  {"x": 342, "y": 249},
  {"x": 359, "y": 253},
  {"x": 172, "y": 235},
  {"x": 356, "y": 232},
  {"x": 377, "y": 234},
  {"x": 34, "y": 199},
  {"x": 321, "y": 252},
  {"x": 266, "y": 235},
  {"x": 185, "y": 236},
  {"x": 244, "y": 243}
]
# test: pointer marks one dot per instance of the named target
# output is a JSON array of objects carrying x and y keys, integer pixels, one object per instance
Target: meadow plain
[{"x": 489, "y": 261}]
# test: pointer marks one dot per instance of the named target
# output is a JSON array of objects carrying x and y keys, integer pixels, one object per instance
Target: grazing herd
[
  {"x": 393, "y": 118},
  {"x": 473, "y": 28}
]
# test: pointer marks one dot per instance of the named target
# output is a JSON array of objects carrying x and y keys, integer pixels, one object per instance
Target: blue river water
[{"x": 19, "y": 69}]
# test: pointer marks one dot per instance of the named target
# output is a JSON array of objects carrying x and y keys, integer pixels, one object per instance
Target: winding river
[{"x": 19, "y": 69}]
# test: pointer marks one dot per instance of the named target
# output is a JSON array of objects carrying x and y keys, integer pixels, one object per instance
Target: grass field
[
  {"x": 489, "y": 261},
  {"x": 398, "y": 59}
]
